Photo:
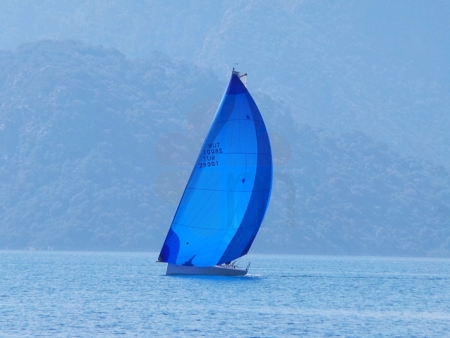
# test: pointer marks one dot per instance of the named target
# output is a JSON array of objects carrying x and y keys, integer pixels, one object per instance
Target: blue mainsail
[{"x": 227, "y": 195}]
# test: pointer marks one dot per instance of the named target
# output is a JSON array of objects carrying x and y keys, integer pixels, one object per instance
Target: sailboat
[{"x": 228, "y": 192}]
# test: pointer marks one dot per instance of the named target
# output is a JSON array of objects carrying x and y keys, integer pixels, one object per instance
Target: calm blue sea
[{"x": 70, "y": 294}]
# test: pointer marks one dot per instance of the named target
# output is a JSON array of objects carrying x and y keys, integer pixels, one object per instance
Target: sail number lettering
[
  {"x": 212, "y": 151},
  {"x": 213, "y": 148},
  {"x": 208, "y": 158},
  {"x": 208, "y": 164}
]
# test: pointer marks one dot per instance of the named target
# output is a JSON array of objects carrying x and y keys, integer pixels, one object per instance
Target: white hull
[{"x": 217, "y": 270}]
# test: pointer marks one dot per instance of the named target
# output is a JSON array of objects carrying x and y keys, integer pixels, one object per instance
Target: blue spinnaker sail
[{"x": 227, "y": 195}]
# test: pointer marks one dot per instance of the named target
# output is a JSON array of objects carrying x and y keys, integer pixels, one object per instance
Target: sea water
[{"x": 72, "y": 294}]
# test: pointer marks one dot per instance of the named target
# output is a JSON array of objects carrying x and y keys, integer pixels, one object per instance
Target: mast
[{"x": 241, "y": 76}]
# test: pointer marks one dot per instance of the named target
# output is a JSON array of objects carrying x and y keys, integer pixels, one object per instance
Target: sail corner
[{"x": 241, "y": 76}]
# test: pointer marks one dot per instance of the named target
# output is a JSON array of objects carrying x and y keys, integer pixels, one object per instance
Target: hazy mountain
[
  {"x": 79, "y": 125},
  {"x": 380, "y": 67},
  {"x": 95, "y": 149}
]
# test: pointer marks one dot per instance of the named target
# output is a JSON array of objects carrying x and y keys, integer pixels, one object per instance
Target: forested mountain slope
[
  {"x": 380, "y": 67},
  {"x": 95, "y": 149}
]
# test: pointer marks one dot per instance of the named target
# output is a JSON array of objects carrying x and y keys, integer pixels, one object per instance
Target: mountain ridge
[{"x": 95, "y": 149}]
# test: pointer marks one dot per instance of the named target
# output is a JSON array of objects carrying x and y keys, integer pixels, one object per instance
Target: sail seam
[
  {"x": 209, "y": 228},
  {"x": 204, "y": 189},
  {"x": 243, "y": 153}
]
